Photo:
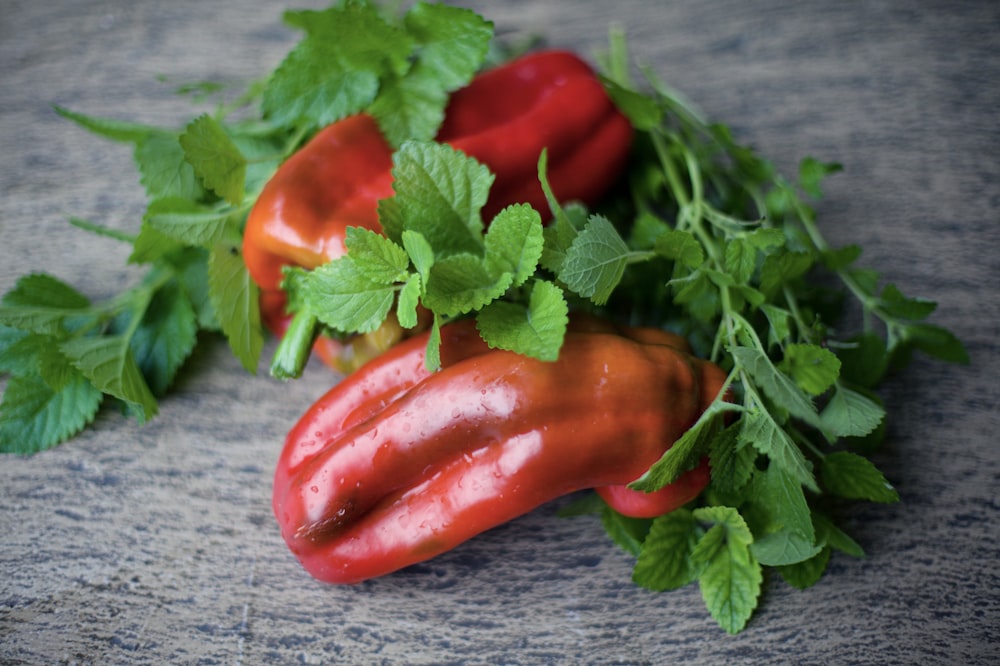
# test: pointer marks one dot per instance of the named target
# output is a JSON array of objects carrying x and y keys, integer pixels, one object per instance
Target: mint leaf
[
  {"x": 35, "y": 416},
  {"x": 188, "y": 222},
  {"x": 344, "y": 297},
  {"x": 108, "y": 363},
  {"x": 806, "y": 573},
  {"x": 730, "y": 576},
  {"x": 461, "y": 283},
  {"x": 779, "y": 497},
  {"x": 376, "y": 257},
  {"x": 42, "y": 290},
  {"x": 683, "y": 454},
  {"x": 164, "y": 170},
  {"x": 851, "y": 414},
  {"x": 732, "y": 460},
  {"x": 165, "y": 337},
  {"x": 215, "y": 158},
  {"x": 535, "y": 331},
  {"x": 409, "y": 299},
  {"x": 778, "y": 386},
  {"x": 420, "y": 252},
  {"x": 680, "y": 246},
  {"x": 595, "y": 261},
  {"x": 664, "y": 563},
  {"x": 409, "y": 108},
  {"x": 855, "y": 477},
  {"x": 450, "y": 45},
  {"x": 452, "y": 42},
  {"x": 758, "y": 429},
  {"x": 439, "y": 193},
  {"x": 783, "y": 547},
  {"x": 235, "y": 298},
  {"x": 813, "y": 368},
  {"x": 863, "y": 359},
  {"x": 740, "y": 259},
  {"x": 336, "y": 69},
  {"x": 513, "y": 243},
  {"x": 116, "y": 130},
  {"x": 936, "y": 341}
]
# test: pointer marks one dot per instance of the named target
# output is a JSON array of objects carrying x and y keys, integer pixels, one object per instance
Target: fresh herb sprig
[
  {"x": 706, "y": 238},
  {"x": 65, "y": 355}
]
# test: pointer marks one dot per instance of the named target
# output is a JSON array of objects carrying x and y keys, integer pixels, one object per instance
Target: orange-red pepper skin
[
  {"x": 486, "y": 439},
  {"x": 504, "y": 118}
]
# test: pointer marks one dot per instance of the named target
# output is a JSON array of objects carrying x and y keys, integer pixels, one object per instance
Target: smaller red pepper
[{"x": 505, "y": 118}]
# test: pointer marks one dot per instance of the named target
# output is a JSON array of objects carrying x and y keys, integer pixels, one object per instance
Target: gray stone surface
[{"x": 155, "y": 544}]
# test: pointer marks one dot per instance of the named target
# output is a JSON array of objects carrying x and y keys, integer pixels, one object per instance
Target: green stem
[{"x": 293, "y": 351}]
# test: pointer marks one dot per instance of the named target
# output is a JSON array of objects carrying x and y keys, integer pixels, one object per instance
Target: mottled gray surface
[{"x": 156, "y": 545}]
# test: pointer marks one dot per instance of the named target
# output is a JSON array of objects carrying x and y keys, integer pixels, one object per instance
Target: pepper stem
[{"x": 293, "y": 351}]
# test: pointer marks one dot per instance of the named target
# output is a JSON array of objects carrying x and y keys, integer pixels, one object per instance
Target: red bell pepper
[
  {"x": 504, "y": 118},
  {"x": 395, "y": 465}
]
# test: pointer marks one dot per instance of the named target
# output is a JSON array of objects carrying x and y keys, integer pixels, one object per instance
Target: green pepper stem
[{"x": 293, "y": 351}]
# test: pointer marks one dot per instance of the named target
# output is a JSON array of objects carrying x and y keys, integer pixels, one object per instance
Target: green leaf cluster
[
  {"x": 733, "y": 253},
  {"x": 64, "y": 355},
  {"x": 436, "y": 253}
]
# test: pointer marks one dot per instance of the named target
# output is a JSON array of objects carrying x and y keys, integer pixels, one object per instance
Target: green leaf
[
  {"x": 664, "y": 563},
  {"x": 420, "y": 252},
  {"x": 409, "y": 299},
  {"x": 805, "y": 574},
  {"x": 683, "y": 454},
  {"x": 781, "y": 268},
  {"x": 439, "y": 193},
  {"x": 344, "y": 297},
  {"x": 34, "y": 416},
  {"x": 680, "y": 246},
  {"x": 627, "y": 532},
  {"x": 732, "y": 460},
  {"x": 376, "y": 257},
  {"x": 812, "y": 172},
  {"x": 642, "y": 110},
  {"x": 336, "y": 69},
  {"x": 896, "y": 305},
  {"x": 461, "y": 283},
  {"x": 215, "y": 158},
  {"x": 452, "y": 42},
  {"x": 235, "y": 298},
  {"x": 779, "y": 319},
  {"x": 758, "y": 429},
  {"x": 164, "y": 170},
  {"x": 814, "y": 368},
  {"x": 116, "y": 130},
  {"x": 855, "y": 477},
  {"x": 42, "y": 290},
  {"x": 409, "y": 108},
  {"x": 595, "y": 261},
  {"x": 779, "y": 496},
  {"x": 783, "y": 547},
  {"x": 165, "y": 337},
  {"x": 851, "y": 414},
  {"x": 188, "y": 222},
  {"x": 513, "y": 243},
  {"x": 108, "y": 363},
  {"x": 863, "y": 359},
  {"x": 829, "y": 534},
  {"x": 841, "y": 258},
  {"x": 778, "y": 386},
  {"x": 740, "y": 259},
  {"x": 152, "y": 244},
  {"x": 432, "y": 355},
  {"x": 536, "y": 330},
  {"x": 731, "y": 577},
  {"x": 937, "y": 342}
]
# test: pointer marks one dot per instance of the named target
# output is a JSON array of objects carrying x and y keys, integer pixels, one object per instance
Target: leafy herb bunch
[{"x": 703, "y": 237}]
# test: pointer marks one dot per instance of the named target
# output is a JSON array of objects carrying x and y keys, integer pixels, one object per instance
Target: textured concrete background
[{"x": 156, "y": 545}]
